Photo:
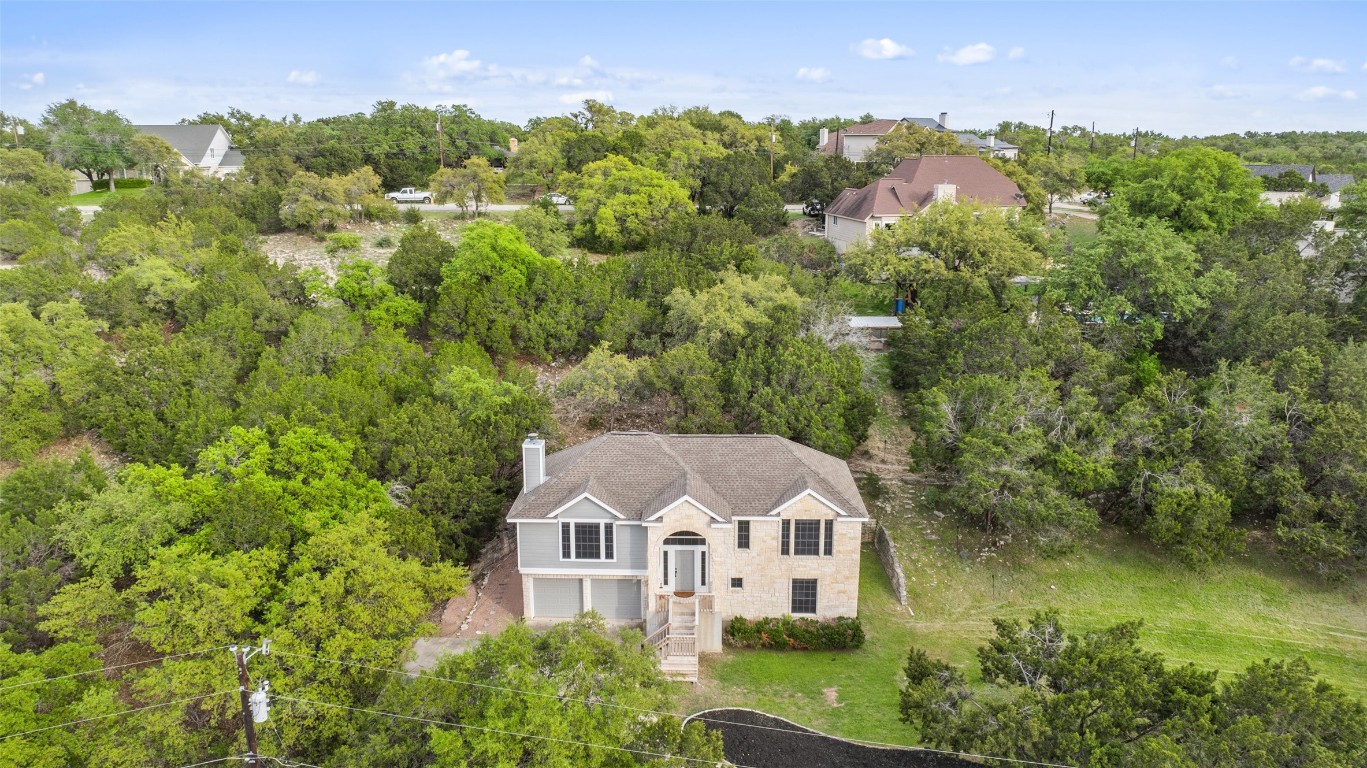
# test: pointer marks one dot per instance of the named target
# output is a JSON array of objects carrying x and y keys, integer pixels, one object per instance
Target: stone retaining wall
[{"x": 887, "y": 555}]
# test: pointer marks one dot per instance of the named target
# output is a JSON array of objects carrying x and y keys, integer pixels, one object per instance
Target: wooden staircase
[{"x": 676, "y": 643}]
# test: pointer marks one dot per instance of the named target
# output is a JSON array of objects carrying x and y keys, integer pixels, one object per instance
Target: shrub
[
  {"x": 102, "y": 185},
  {"x": 786, "y": 633},
  {"x": 342, "y": 241},
  {"x": 411, "y": 215},
  {"x": 384, "y": 241}
]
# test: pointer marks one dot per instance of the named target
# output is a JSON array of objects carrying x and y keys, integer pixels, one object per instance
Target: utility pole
[
  {"x": 1049, "y": 143},
  {"x": 254, "y": 705},
  {"x": 1135, "y": 155},
  {"x": 14, "y": 122},
  {"x": 772, "y": 138},
  {"x": 1091, "y": 142},
  {"x": 441, "y": 148}
]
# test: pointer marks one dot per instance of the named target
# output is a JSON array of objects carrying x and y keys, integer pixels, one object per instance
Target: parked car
[
  {"x": 409, "y": 195},
  {"x": 555, "y": 198},
  {"x": 813, "y": 207}
]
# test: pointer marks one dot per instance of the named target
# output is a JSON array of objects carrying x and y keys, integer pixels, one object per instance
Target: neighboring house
[
  {"x": 680, "y": 533},
  {"x": 910, "y": 187},
  {"x": 855, "y": 141},
  {"x": 1275, "y": 170},
  {"x": 1334, "y": 182},
  {"x": 206, "y": 148}
]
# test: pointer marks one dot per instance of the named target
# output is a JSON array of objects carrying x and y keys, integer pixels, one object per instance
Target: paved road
[{"x": 89, "y": 211}]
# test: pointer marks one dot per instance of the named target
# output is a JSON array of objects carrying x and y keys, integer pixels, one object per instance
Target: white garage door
[
  {"x": 617, "y": 598},
  {"x": 557, "y": 598}
]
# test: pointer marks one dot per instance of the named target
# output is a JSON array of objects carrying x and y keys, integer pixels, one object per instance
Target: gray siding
[
  {"x": 585, "y": 509},
  {"x": 616, "y": 598},
  {"x": 538, "y": 546},
  {"x": 557, "y": 598}
]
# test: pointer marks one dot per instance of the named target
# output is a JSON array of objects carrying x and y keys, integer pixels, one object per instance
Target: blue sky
[{"x": 1179, "y": 68}]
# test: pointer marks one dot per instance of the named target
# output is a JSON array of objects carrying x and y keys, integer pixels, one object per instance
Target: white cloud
[
  {"x": 883, "y": 48},
  {"x": 1016, "y": 53},
  {"x": 453, "y": 64},
  {"x": 29, "y": 82},
  {"x": 1325, "y": 93},
  {"x": 588, "y": 61},
  {"x": 1225, "y": 92},
  {"x": 582, "y": 96},
  {"x": 969, "y": 54},
  {"x": 303, "y": 77},
  {"x": 1304, "y": 64},
  {"x": 813, "y": 74},
  {"x": 1230, "y": 62}
]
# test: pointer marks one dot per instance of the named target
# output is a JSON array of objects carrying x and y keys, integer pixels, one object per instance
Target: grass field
[
  {"x": 1241, "y": 611},
  {"x": 100, "y": 198}
]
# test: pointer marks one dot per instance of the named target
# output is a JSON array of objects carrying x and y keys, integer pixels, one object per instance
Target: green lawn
[
  {"x": 100, "y": 198},
  {"x": 1080, "y": 231},
  {"x": 1242, "y": 611}
]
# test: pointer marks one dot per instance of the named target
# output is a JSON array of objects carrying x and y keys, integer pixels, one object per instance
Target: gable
[{"x": 584, "y": 508}]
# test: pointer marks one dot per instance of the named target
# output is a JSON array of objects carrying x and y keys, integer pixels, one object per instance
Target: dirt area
[
  {"x": 68, "y": 449},
  {"x": 305, "y": 251},
  {"x": 488, "y": 607},
  {"x": 758, "y": 740}
]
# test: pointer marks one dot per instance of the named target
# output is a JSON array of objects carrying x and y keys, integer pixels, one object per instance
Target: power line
[
  {"x": 110, "y": 669},
  {"x": 642, "y": 710},
  {"x": 114, "y": 714},
  {"x": 466, "y": 726},
  {"x": 216, "y": 760}
]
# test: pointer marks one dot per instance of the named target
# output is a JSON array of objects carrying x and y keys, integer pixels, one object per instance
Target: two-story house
[
  {"x": 856, "y": 141},
  {"x": 910, "y": 187},
  {"x": 680, "y": 533}
]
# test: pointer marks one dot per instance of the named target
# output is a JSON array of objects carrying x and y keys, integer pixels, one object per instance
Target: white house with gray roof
[
  {"x": 680, "y": 533},
  {"x": 205, "y": 148}
]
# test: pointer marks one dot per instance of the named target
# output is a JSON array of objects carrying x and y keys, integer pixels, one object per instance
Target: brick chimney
[
  {"x": 533, "y": 462},
  {"x": 512, "y": 145}
]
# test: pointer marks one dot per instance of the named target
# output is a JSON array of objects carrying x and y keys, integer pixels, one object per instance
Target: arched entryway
[{"x": 684, "y": 564}]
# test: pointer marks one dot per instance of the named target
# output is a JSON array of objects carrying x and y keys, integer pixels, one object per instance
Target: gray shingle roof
[
  {"x": 640, "y": 473},
  {"x": 1335, "y": 181},
  {"x": 192, "y": 141},
  {"x": 1272, "y": 170},
  {"x": 233, "y": 158}
]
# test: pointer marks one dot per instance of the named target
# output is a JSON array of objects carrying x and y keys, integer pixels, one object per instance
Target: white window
[{"x": 587, "y": 541}]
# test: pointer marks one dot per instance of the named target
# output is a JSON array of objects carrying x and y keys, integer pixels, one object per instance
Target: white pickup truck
[{"x": 409, "y": 195}]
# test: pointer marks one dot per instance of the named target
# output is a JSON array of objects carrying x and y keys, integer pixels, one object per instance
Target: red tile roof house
[
  {"x": 680, "y": 533},
  {"x": 912, "y": 186}
]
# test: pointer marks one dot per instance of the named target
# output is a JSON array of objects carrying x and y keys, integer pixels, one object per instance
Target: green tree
[
  {"x": 154, "y": 156},
  {"x": 86, "y": 140},
  {"x": 314, "y": 203},
  {"x": 545, "y": 231},
  {"x": 1196, "y": 189},
  {"x": 910, "y": 140},
  {"x": 621, "y": 205},
  {"x": 415, "y": 268},
  {"x": 473, "y": 186},
  {"x": 602, "y": 383},
  {"x": 1060, "y": 175},
  {"x": 27, "y": 167},
  {"x": 574, "y": 665}
]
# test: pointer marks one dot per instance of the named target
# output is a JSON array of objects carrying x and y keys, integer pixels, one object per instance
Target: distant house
[
  {"x": 912, "y": 186},
  {"x": 681, "y": 533},
  {"x": 1334, "y": 182},
  {"x": 854, "y": 142},
  {"x": 1271, "y": 171},
  {"x": 205, "y": 148}
]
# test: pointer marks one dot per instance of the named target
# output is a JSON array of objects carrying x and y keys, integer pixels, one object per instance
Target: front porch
[{"x": 684, "y": 625}]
